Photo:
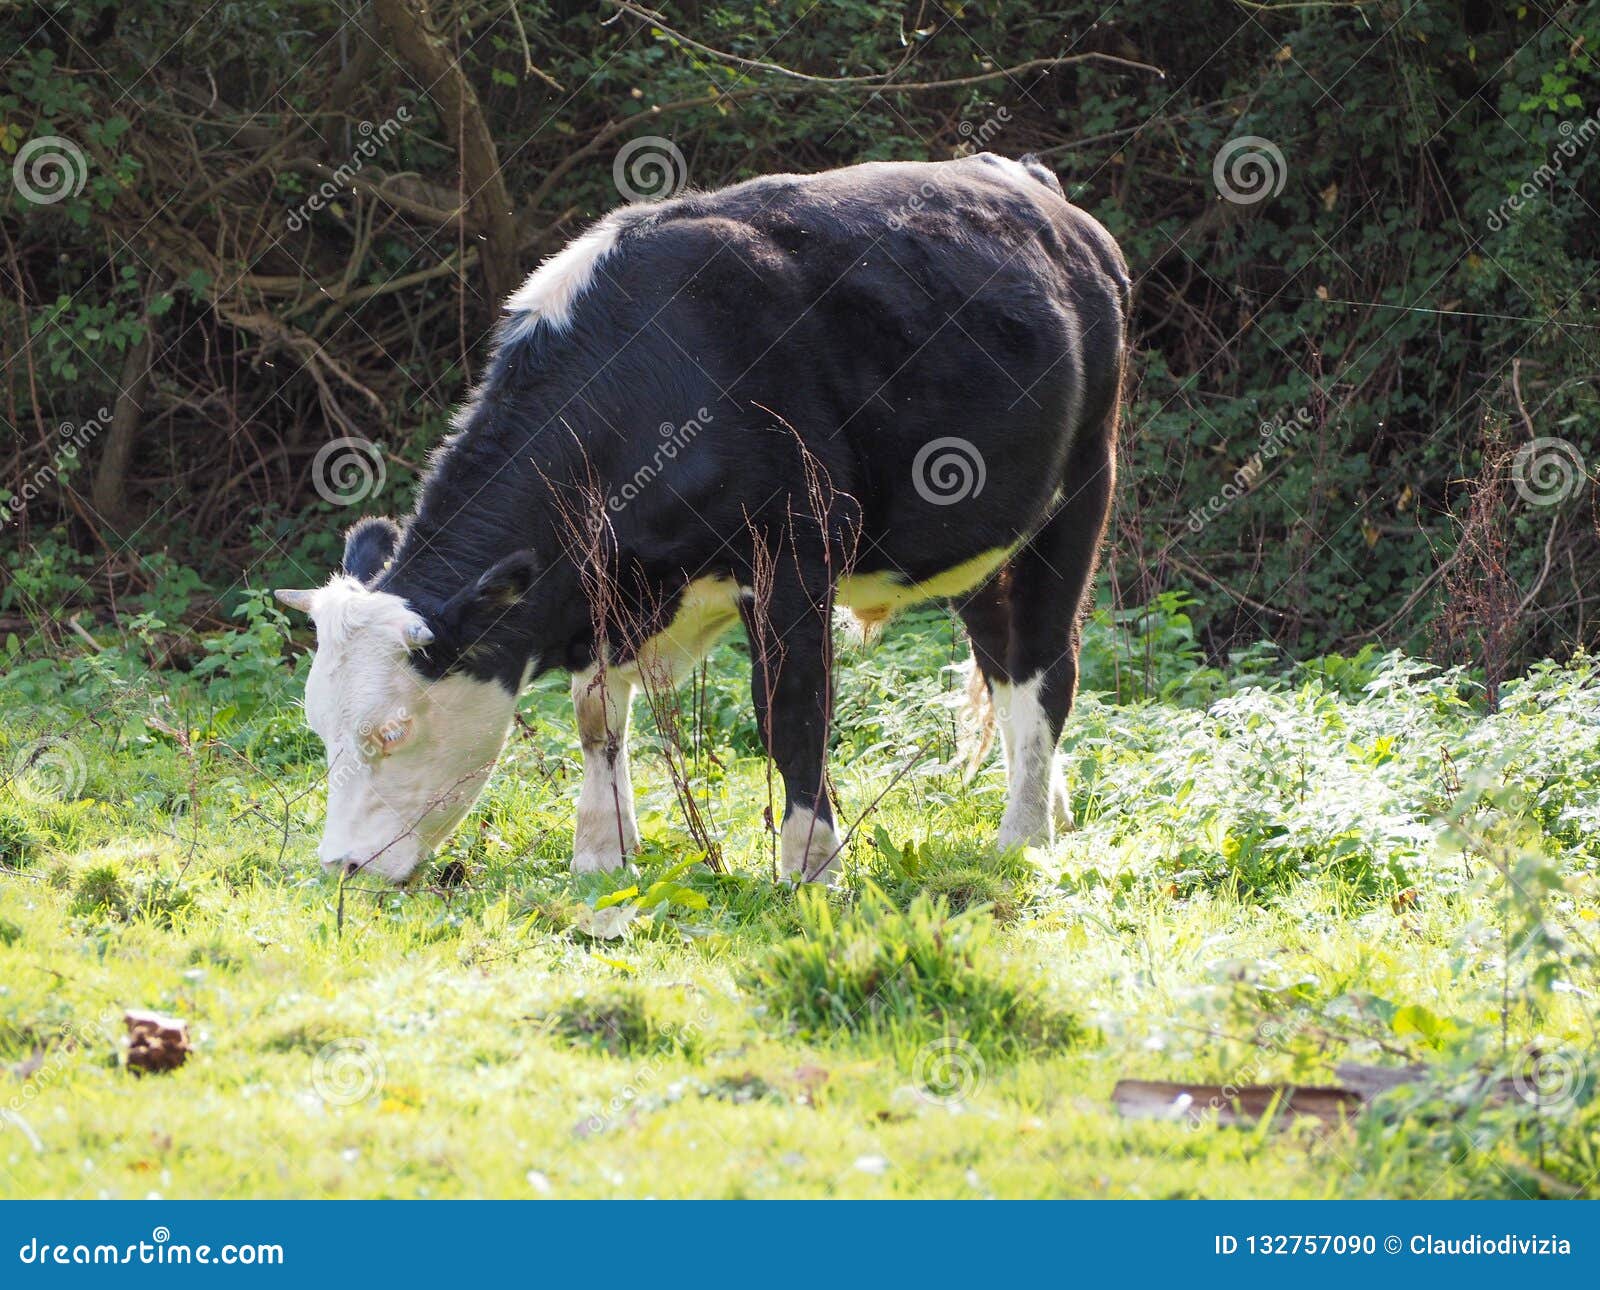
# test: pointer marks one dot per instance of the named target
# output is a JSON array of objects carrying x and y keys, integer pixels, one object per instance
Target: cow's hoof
[
  {"x": 821, "y": 868},
  {"x": 810, "y": 849},
  {"x": 1013, "y": 835},
  {"x": 597, "y": 861}
]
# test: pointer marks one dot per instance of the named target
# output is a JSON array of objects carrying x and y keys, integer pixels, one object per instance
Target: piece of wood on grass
[
  {"x": 1149, "y": 1099},
  {"x": 1371, "y": 1081},
  {"x": 155, "y": 1042}
]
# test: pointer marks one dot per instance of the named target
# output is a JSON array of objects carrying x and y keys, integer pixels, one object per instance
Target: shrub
[
  {"x": 19, "y": 843},
  {"x": 919, "y": 973},
  {"x": 617, "y": 1022},
  {"x": 101, "y": 891},
  {"x": 964, "y": 877}
]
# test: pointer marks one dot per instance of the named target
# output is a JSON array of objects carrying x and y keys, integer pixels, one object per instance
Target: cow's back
[{"x": 881, "y": 307}]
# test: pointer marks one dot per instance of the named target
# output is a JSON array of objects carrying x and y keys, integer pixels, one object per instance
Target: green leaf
[
  {"x": 1414, "y": 1019},
  {"x": 616, "y": 897}
]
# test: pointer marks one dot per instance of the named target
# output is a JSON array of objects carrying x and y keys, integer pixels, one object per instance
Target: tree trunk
[
  {"x": 428, "y": 55},
  {"x": 109, "y": 493}
]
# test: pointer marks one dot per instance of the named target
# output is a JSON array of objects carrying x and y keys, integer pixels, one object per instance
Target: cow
[{"x": 867, "y": 388}]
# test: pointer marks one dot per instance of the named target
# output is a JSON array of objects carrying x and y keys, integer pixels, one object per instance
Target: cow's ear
[
  {"x": 368, "y": 546},
  {"x": 481, "y": 604},
  {"x": 506, "y": 582}
]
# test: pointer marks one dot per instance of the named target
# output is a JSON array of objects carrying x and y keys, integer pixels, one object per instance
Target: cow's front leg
[
  {"x": 606, "y": 829},
  {"x": 791, "y": 680}
]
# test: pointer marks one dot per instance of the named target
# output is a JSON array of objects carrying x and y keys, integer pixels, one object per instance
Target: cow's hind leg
[
  {"x": 1047, "y": 585},
  {"x": 607, "y": 831},
  {"x": 1034, "y": 791}
]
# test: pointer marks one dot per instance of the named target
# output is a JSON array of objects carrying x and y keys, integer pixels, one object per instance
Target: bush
[
  {"x": 964, "y": 877},
  {"x": 19, "y": 842},
  {"x": 920, "y": 974},
  {"x": 616, "y": 1022},
  {"x": 104, "y": 891},
  {"x": 1384, "y": 299},
  {"x": 101, "y": 891}
]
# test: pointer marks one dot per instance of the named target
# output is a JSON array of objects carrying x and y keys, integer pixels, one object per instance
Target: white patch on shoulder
[
  {"x": 810, "y": 848},
  {"x": 1011, "y": 165},
  {"x": 554, "y": 287},
  {"x": 1033, "y": 785}
]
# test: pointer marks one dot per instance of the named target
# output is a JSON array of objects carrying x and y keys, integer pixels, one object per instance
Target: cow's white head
[{"x": 408, "y": 750}]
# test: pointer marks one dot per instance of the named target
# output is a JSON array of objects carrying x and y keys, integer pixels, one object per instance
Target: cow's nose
[{"x": 345, "y": 864}]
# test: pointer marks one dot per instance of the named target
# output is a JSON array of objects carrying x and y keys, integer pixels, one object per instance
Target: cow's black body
[{"x": 819, "y": 330}]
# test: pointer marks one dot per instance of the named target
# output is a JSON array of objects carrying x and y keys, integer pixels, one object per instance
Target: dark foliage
[{"x": 282, "y": 225}]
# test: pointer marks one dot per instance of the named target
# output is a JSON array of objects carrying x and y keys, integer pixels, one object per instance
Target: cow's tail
[
  {"x": 1035, "y": 167},
  {"x": 979, "y": 725}
]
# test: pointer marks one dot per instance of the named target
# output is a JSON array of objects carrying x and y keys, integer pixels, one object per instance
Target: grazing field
[{"x": 1277, "y": 868}]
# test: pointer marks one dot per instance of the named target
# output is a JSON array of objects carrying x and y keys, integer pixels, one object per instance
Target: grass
[{"x": 1277, "y": 868}]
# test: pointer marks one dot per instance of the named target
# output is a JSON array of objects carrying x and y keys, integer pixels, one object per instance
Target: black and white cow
[{"x": 871, "y": 387}]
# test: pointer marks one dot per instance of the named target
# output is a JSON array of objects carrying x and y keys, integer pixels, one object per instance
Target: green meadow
[{"x": 1278, "y": 869}]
